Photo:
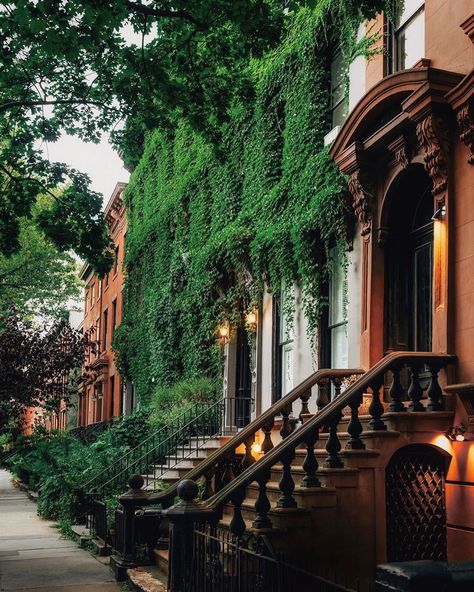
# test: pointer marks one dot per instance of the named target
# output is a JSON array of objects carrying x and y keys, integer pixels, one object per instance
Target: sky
[{"x": 99, "y": 161}]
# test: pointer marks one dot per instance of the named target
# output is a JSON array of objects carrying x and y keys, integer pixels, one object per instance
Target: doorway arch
[
  {"x": 408, "y": 303},
  {"x": 416, "y": 504}
]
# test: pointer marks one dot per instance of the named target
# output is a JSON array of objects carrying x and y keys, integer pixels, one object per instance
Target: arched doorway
[
  {"x": 416, "y": 504},
  {"x": 409, "y": 263}
]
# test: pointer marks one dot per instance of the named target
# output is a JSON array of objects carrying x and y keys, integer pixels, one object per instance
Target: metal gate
[{"x": 415, "y": 504}]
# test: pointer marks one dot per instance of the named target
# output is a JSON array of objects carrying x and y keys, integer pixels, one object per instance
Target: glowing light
[
  {"x": 251, "y": 320},
  {"x": 223, "y": 330},
  {"x": 460, "y": 437},
  {"x": 256, "y": 447}
]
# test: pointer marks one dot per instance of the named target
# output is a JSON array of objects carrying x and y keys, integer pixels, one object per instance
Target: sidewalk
[{"x": 34, "y": 557}]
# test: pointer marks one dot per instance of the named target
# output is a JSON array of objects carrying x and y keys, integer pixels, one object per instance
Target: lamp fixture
[
  {"x": 456, "y": 433},
  {"x": 251, "y": 321},
  {"x": 223, "y": 331},
  {"x": 440, "y": 213}
]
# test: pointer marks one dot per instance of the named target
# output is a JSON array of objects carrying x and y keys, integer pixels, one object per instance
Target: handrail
[
  {"x": 168, "y": 496},
  {"x": 321, "y": 418},
  {"x": 182, "y": 432},
  {"x": 91, "y": 483}
]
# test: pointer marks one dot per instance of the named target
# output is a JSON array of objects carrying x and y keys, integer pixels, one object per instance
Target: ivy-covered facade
[{"x": 216, "y": 225}]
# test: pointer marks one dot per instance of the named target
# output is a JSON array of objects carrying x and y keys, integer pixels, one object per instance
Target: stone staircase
[
  {"x": 313, "y": 490},
  {"x": 335, "y": 506}
]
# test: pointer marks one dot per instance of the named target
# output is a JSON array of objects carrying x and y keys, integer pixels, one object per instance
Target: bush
[{"x": 169, "y": 402}]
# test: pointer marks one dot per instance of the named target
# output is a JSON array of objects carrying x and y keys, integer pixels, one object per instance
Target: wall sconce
[
  {"x": 251, "y": 321},
  {"x": 456, "y": 433},
  {"x": 223, "y": 331},
  {"x": 440, "y": 213}
]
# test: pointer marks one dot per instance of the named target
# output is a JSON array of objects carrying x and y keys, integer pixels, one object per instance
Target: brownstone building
[{"x": 105, "y": 396}]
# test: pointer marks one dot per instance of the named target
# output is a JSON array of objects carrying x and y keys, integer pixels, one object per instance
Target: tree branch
[
  {"x": 162, "y": 13},
  {"x": 39, "y": 103}
]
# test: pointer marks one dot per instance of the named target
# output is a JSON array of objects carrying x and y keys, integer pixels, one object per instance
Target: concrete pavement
[{"x": 34, "y": 557}]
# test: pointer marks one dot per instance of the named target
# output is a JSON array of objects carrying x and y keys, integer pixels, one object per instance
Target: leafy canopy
[
  {"x": 38, "y": 279},
  {"x": 66, "y": 67}
]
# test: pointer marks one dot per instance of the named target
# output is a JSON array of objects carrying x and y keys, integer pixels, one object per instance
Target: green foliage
[
  {"x": 58, "y": 465},
  {"x": 211, "y": 220},
  {"x": 166, "y": 403},
  {"x": 38, "y": 279}
]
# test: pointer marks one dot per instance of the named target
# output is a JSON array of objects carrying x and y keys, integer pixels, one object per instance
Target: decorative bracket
[
  {"x": 432, "y": 134},
  {"x": 362, "y": 196},
  {"x": 465, "y": 119}
]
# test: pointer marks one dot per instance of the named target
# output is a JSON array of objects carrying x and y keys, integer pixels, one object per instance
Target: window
[
  {"x": 116, "y": 259},
  {"x": 104, "y": 330},
  {"x": 408, "y": 36},
  {"x": 283, "y": 335},
  {"x": 112, "y": 395},
  {"x": 339, "y": 106},
  {"x": 97, "y": 336},
  {"x": 337, "y": 317},
  {"x": 114, "y": 314}
]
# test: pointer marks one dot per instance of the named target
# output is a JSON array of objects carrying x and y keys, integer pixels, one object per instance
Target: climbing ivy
[{"x": 211, "y": 223}]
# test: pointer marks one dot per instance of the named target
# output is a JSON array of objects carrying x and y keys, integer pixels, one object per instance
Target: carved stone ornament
[
  {"x": 362, "y": 200},
  {"x": 432, "y": 134},
  {"x": 402, "y": 151},
  {"x": 465, "y": 118}
]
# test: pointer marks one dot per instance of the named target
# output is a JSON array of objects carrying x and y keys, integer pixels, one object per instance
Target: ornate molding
[
  {"x": 465, "y": 119},
  {"x": 432, "y": 134},
  {"x": 402, "y": 151},
  {"x": 362, "y": 203}
]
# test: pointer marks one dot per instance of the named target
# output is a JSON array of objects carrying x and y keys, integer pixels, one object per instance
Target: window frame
[{"x": 393, "y": 53}]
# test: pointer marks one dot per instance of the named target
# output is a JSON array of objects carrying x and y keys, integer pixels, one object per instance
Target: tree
[
  {"x": 66, "y": 66},
  {"x": 38, "y": 279},
  {"x": 36, "y": 364}
]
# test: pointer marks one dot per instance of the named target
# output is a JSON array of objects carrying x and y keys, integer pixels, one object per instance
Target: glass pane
[
  {"x": 339, "y": 114},
  {"x": 423, "y": 291},
  {"x": 337, "y": 287},
  {"x": 408, "y": 10},
  {"x": 411, "y": 42},
  {"x": 339, "y": 347},
  {"x": 287, "y": 330},
  {"x": 287, "y": 369},
  {"x": 337, "y": 73}
]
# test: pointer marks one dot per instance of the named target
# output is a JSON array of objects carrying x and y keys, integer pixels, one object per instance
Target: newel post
[
  {"x": 130, "y": 501},
  {"x": 183, "y": 516}
]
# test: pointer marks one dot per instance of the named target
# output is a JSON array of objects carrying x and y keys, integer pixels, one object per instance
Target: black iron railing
[
  {"x": 89, "y": 433},
  {"x": 223, "y": 563}
]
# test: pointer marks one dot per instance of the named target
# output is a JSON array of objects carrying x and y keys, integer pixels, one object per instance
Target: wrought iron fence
[
  {"x": 224, "y": 563},
  {"x": 89, "y": 433}
]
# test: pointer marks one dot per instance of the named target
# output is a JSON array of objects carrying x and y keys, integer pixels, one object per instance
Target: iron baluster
[
  {"x": 286, "y": 484},
  {"x": 285, "y": 426},
  {"x": 376, "y": 408},
  {"x": 415, "y": 392},
  {"x": 208, "y": 489},
  {"x": 267, "y": 443},
  {"x": 322, "y": 399},
  {"x": 310, "y": 464},
  {"x": 396, "y": 391},
  {"x": 262, "y": 503},
  {"x": 333, "y": 445},
  {"x": 355, "y": 427},
  {"x": 434, "y": 390},
  {"x": 305, "y": 397},
  {"x": 237, "y": 524}
]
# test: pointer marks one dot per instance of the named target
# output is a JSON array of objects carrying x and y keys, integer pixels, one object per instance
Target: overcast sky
[{"x": 99, "y": 161}]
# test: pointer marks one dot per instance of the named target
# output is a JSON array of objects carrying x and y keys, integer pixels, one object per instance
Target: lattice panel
[{"x": 416, "y": 508}]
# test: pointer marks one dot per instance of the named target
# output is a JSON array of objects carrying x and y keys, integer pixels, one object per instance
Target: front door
[
  {"x": 409, "y": 265},
  {"x": 243, "y": 384}
]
